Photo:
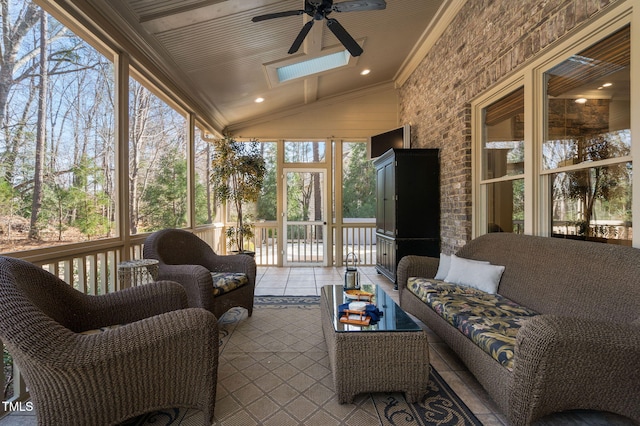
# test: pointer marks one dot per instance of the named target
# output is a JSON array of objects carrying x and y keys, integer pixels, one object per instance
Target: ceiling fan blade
[
  {"x": 345, "y": 38},
  {"x": 354, "y": 5},
  {"x": 276, "y": 15},
  {"x": 301, "y": 35}
]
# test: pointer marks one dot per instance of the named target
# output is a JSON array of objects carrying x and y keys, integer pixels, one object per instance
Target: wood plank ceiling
[{"x": 222, "y": 58}]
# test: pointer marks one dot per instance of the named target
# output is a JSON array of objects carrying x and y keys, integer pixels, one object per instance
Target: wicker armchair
[
  {"x": 187, "y": 259},
  {"x": 157, "y": 356}
]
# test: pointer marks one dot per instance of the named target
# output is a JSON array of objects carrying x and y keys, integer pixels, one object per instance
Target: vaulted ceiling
[{"x": 214, "y": 52}]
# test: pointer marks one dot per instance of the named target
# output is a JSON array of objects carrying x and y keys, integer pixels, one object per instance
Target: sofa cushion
[
  {"x": 491, "y": 321},
  {"x": 224, "y": 282},
  {"x": 494, "y": 335}
]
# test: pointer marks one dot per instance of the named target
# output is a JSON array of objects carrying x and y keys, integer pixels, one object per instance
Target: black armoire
[{"x": 408, "y": 207}]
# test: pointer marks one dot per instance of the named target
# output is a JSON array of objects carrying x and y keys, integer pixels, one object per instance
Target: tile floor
[
  {"x": 307, "y": 281},
  {"x": 302, "y": 281}
]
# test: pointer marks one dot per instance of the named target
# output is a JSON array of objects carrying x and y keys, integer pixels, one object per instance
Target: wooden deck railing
[{"x": 359, "y": 239}]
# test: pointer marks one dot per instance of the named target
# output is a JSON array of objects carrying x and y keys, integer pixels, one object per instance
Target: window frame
[
  {"x": 479, "y": 184},
  {"x": 537, "y": 180}
]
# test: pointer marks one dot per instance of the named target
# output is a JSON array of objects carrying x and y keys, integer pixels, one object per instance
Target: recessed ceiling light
[
  {"x": 365, "y": 72},
  {"x": 607, "y": 85},
  {"x": 581, "y": 101},
  {"x": 259, "y": 100}
]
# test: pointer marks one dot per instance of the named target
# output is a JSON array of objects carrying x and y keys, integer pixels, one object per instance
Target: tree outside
[
  {"x": 359, "y": 182},
  {"x": 56, "y": 133},
  {"x": 57, "y": 139},
  {"x": 237, "y": 173}
]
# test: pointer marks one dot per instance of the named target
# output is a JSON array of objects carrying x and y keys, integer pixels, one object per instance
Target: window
[
  {"x": 204, "y": 204},
  {"x": 57, "y": 143},
  {"x": 588, "y": 141},
  {"x": 562, "y": 167},
  {"x": 503, "y": 163},
  {"x": 157, "y": 161},
  {"x": 593, "y": 203},
  {"x": 358, "y": 182},
  {"x": 313, "y": 66},
  {"x": 304, "y": 152},
  {"x": 267, "y": 204}
]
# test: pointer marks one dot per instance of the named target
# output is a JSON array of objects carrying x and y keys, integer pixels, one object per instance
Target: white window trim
[{"x": 479, "y": 185}]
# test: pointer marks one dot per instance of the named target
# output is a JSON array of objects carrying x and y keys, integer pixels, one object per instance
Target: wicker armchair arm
[
  {"x": 195, "y": 279},
  {"x": 416, "y": 266},
  {"x": 566, "y": 363},
  {"x": 67, "y": 349},
  {"x": 131, "y": 304},
  {"x": 154, "y": 333}
]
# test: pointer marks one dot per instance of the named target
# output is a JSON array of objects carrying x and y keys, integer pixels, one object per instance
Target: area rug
[{"x": 274, "y": 370}]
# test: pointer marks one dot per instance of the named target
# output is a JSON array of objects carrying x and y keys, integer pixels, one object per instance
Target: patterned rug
[{"x": 274, "y": 370}]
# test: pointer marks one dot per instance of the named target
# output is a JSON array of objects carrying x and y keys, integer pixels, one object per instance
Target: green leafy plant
[{"x": 237, "y": 173}]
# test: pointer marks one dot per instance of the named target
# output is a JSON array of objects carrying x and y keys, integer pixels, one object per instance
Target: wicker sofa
[{"x": 580, "y": 346}]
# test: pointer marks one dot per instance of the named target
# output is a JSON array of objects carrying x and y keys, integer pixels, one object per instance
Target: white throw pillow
[
  {"x": 443, "y": 267},
  {"x": 482, "y": 276}
]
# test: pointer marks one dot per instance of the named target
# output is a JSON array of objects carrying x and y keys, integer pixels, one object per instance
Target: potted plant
[{"x": 237, "y": 172}]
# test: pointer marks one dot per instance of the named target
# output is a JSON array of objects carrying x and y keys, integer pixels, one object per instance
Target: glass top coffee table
[
  {"x": 393, "y": 318},
  {"x": 388, "y": 356}
]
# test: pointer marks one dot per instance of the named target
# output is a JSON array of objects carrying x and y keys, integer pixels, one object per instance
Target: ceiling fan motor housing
[
  {"x": 318, "y": 10},
  {"x": 322, "y": 9}
]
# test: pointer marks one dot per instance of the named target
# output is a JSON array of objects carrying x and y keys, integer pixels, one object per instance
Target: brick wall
[{"x": 487, "y": 40}]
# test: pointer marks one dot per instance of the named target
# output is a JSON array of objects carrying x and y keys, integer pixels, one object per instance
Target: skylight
[{"x": 313, "y": 66}]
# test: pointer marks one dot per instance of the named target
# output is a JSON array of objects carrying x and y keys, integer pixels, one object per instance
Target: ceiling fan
[{"x": 320, "y": 9}]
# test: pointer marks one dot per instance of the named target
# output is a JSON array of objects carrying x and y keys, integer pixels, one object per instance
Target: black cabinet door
[
  {"x": 380, "y": 200},
  {"x": 389, "y": 200},
  {"x": 386, "y": 256},
  {"x": 385, "y": 203},
  {"x": 417, "y": 191}
]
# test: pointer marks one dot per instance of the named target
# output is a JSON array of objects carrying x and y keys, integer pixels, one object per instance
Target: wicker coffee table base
[{"x": 376, "y": 361}]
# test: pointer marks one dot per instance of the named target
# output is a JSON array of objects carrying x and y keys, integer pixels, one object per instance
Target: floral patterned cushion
[
  {"x": 224, "y": 282},
  {"x": 490, "y": 320}
]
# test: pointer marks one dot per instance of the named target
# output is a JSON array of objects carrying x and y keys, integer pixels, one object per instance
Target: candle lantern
[{"x": 351, "y": 275}]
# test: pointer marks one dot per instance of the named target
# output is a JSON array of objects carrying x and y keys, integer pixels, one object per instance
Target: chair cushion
[
  {"x": 491, "y": 321},
  {"x": 224, "y": 282}
]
